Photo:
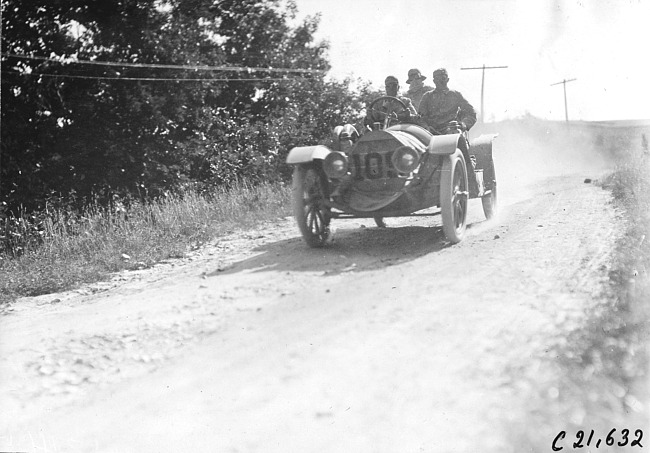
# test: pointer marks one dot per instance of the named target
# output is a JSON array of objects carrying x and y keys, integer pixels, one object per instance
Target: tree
[{"x": 104, "y": 128}]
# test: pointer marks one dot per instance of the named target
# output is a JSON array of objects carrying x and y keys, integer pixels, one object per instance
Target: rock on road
[{"x": 387, "y": 340}]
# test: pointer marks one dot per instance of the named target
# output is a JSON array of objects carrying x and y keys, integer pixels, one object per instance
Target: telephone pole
[
  {"x": 566, "y": 110},
  {"x": 483, "y": 68}
]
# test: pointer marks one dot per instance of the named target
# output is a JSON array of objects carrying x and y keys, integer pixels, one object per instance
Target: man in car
[
  {"x": 417, "y": 88},
  {"x": 442, "y": 105},
  {"x": 380, "y": 110}
]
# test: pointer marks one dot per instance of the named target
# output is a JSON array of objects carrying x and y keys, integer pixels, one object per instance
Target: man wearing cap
[
  {"x": 377, "y": 115},
  {"x": 417, "y": 88},
  {"x": 442, "y": 105}
]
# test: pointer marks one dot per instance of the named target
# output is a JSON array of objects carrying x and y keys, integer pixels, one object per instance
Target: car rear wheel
[
  {"x": 490, "y": 203},
  {"x": 454, "y": 195},
  {"x": 380, "y": 222},
  {"x": 309, "y": 195}
]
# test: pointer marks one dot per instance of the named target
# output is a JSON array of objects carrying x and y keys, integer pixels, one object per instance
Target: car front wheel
[
  {"x": 454, "y": 195},
  {"x": 309, "y": 209}
]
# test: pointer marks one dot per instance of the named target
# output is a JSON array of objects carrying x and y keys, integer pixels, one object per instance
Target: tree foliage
[{"x": 104, "y": 128}]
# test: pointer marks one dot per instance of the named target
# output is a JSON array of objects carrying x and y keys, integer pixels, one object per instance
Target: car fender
[
  {"x": 481, "y": 147},
  {"x": 445, "y": 144},
  {"x": 305, "y": 154}
]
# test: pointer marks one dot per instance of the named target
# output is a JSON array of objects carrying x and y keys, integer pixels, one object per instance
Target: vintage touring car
[{"x": 397, "y": 169}]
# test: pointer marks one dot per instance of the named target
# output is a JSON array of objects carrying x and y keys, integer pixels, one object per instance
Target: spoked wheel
[
  {"x": 490, "y": 202},
  {"x": 380, "y": 222},
  {"x": 309, "y": 195},
  {"x": 454, "y": 196}
]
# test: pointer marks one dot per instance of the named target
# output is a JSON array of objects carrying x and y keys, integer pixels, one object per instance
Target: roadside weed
[{"x": 60, "y": 250}]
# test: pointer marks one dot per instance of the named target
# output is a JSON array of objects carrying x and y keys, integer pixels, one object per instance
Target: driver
[{"x": 378, "y": 114}]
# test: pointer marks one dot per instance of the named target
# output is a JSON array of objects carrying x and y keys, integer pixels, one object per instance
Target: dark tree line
[{"x": 104, "y": 129}]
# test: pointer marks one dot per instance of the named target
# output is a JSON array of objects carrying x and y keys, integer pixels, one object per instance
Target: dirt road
[{"x": 387, "y": 340}]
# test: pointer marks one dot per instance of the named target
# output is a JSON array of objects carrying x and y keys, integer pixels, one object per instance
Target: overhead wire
[
  {"x": 155, "y": 79},
  {"x": 165, "y": 66}
]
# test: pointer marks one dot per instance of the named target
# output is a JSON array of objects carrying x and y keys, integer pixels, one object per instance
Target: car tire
[
  {"x": 310, "y": 190},
  {"x": 490, "y": 205},
  {"x": 380, "y": 222},
  {"x": 454, "y": 196}
]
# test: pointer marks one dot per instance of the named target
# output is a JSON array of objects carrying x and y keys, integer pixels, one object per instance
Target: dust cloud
[{"x": 528, "y": 150}]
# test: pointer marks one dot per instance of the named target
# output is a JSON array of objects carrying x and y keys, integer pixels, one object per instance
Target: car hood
[{"x": 372, "y": 194}]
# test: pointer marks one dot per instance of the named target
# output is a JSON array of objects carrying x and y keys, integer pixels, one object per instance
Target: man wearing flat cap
[
  {"x": 442, "y": 105},
  {"x": 378, "y": 114},
  {"x": 417, "y": 88}
]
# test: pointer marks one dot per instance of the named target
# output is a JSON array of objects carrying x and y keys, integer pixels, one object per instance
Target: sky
[{"x": 603, "y": 44}]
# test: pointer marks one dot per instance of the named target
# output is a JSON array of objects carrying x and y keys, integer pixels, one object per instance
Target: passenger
[
  {"x": 378, "y": 114},
  {"x": 417, "y": 88},
  {"x": 441, "y": 106}
]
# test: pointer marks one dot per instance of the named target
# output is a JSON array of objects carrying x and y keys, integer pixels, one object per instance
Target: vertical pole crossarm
[
  {"x": 483, "y": 68},
  {"x": 566, "y": 105},
  {"x": 482, "y": 95}
]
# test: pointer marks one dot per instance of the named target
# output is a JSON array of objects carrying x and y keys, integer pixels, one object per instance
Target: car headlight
[
  {"x": 335, "y": 165},
  {"x": 405, "y": 159}
]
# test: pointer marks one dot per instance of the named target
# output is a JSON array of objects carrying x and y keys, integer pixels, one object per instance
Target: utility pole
[
  {"x": 566, "y": 110},
  {"x": 483, "y": 68}
]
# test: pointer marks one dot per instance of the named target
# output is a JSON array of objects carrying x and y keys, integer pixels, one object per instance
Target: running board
[{"x": 345, "y": 215}]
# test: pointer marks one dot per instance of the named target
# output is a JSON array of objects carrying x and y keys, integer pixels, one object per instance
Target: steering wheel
[{"x": 393, "y": 106}]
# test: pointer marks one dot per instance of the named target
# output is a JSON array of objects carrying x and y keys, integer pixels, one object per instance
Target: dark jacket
[
  {"x": 372, "y": 117},
  {"x": 439, "y": 107},
  {"x": 416, "y": 95}
]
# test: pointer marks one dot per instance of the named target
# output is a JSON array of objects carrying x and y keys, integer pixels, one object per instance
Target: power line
[
  {"x": 152, "y": 79},
  {"x": 164, "y": 66}
]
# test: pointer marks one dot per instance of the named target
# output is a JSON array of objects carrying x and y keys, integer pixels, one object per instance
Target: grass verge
[{"x": 77, "y": 248}]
